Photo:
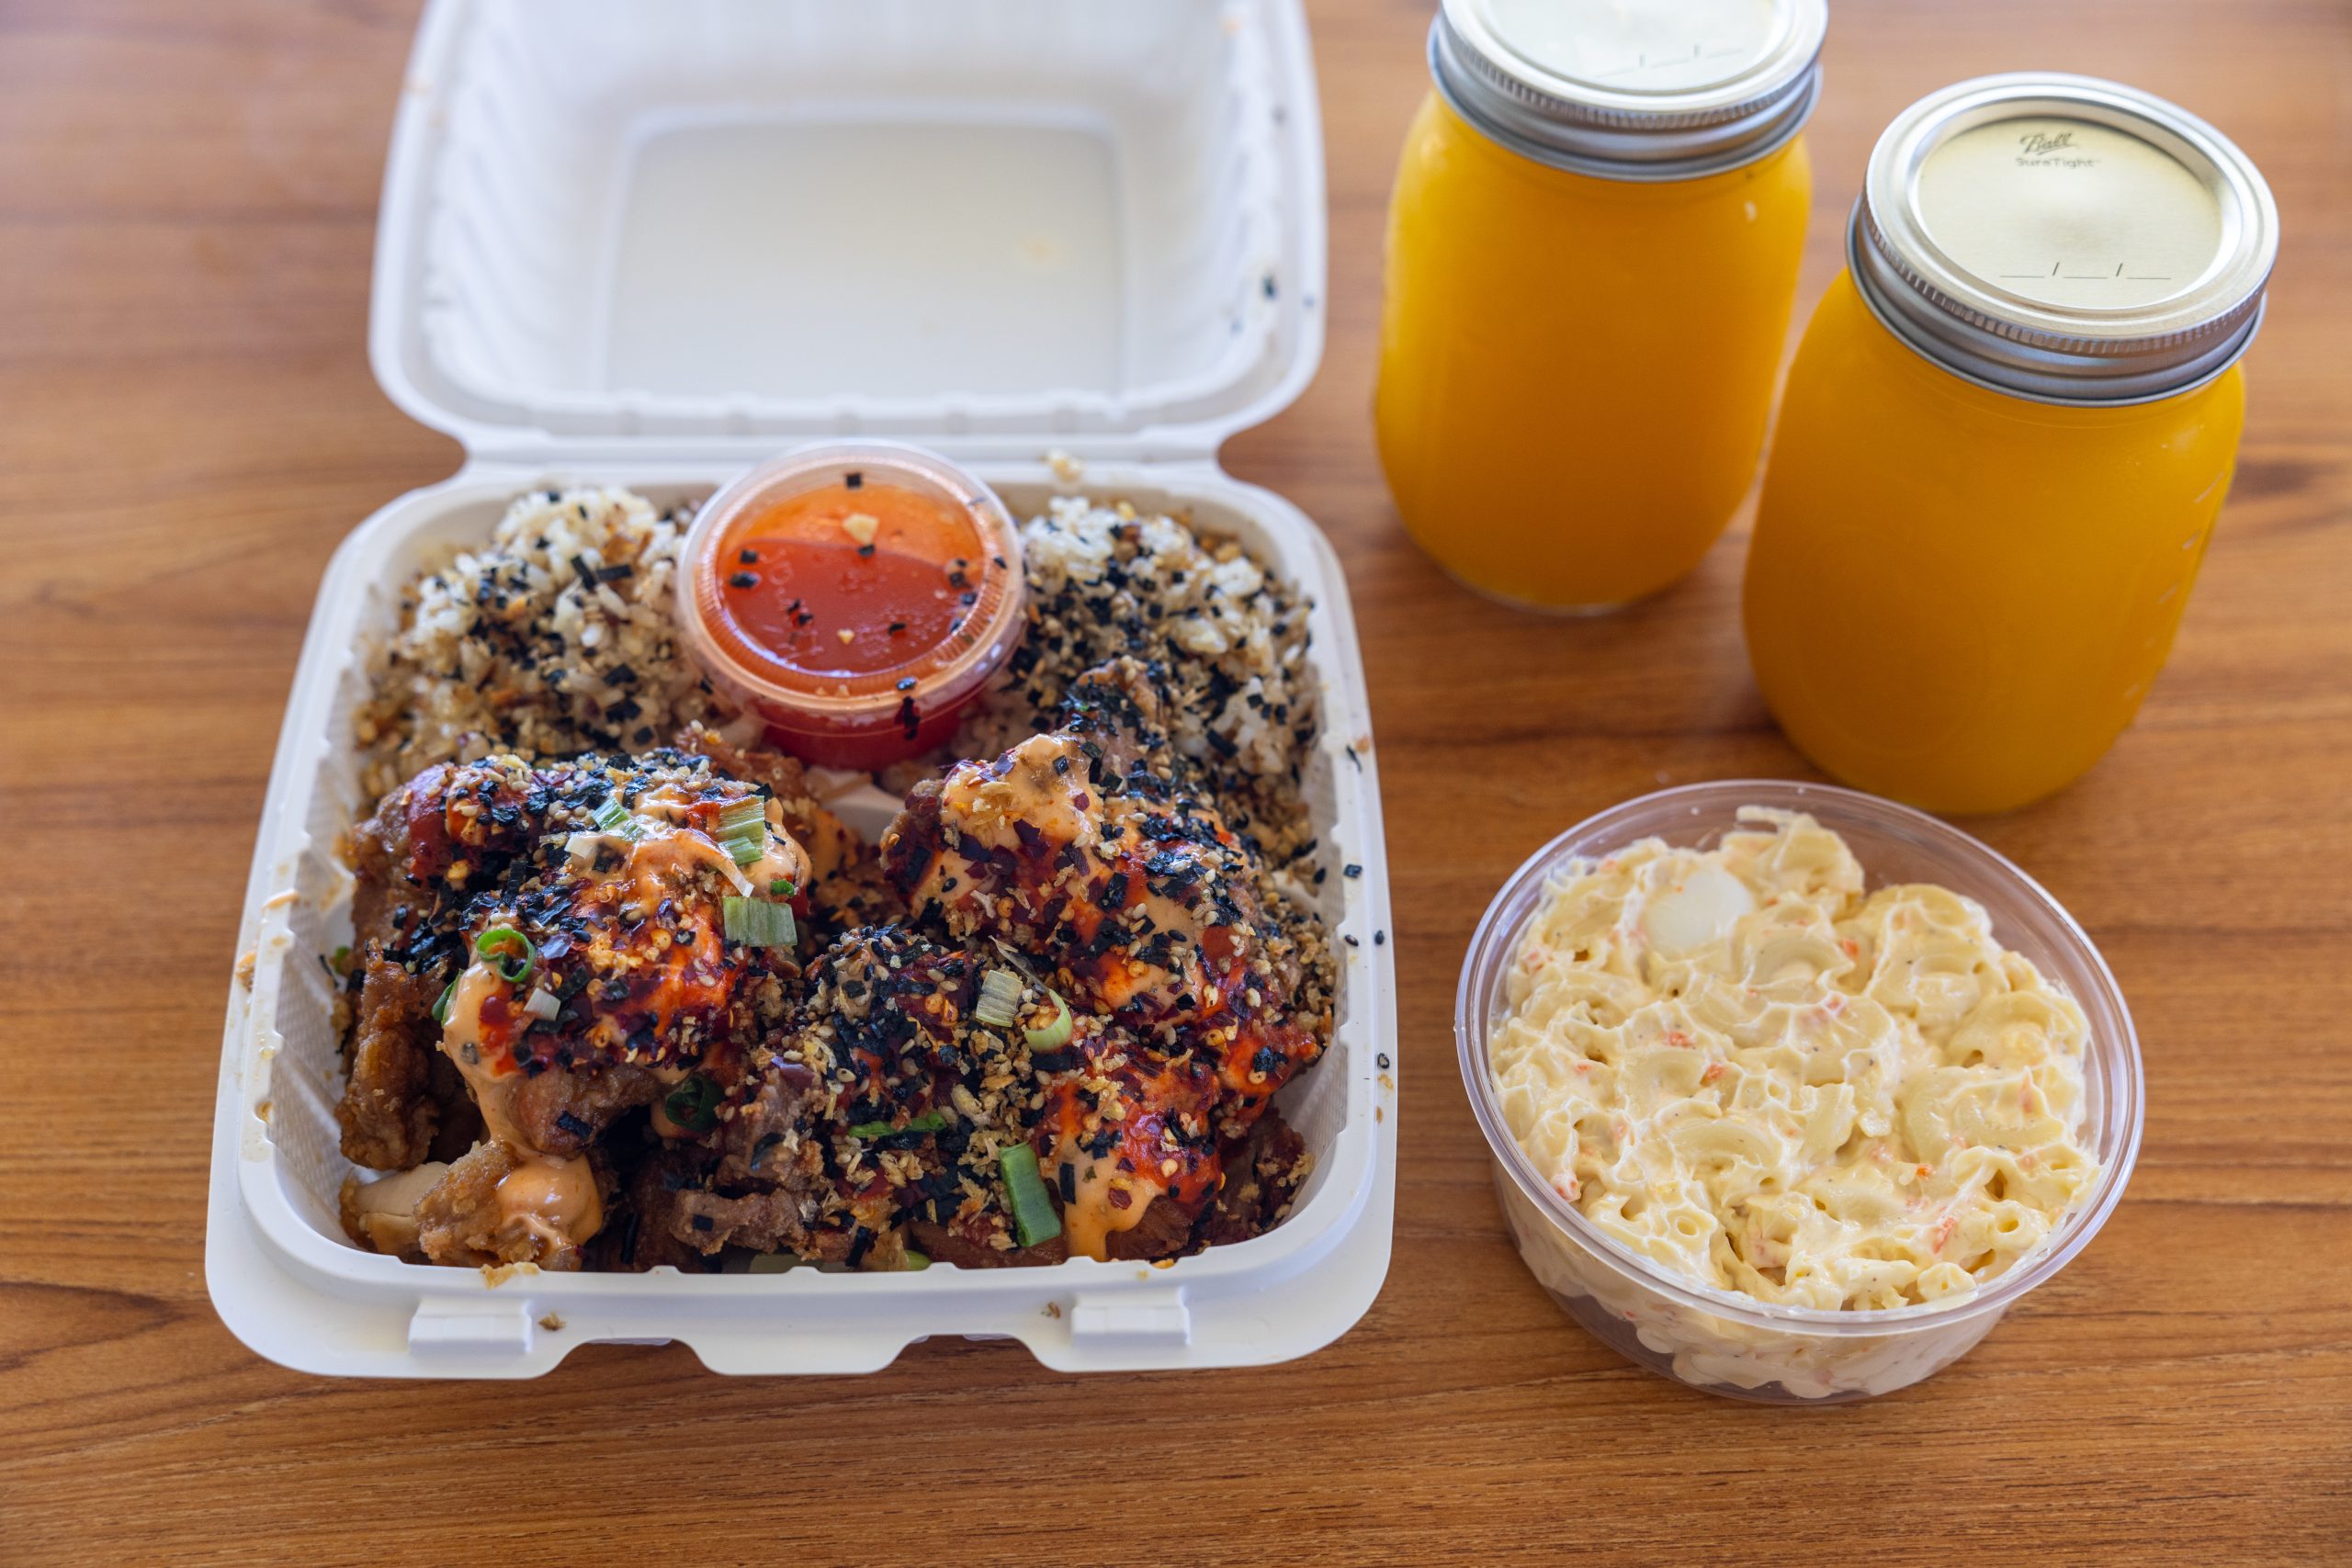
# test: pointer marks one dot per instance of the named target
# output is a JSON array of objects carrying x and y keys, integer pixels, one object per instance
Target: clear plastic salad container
[{"x": 1731, "y": 1344}]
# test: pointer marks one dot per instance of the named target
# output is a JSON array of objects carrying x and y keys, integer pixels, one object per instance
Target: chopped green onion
[
  {"x": 441, "y": 1007},
  {"x": 756, "y": 923},
  {"x": 743, "y": 828},
  {"x": 507, "y": 951},
  {"x": 694, "y": 1104},
  {"x": 614, "y": 818},
  {"x": 1000, "y": 994},
  {"x": 782, "y": 887},
  {"x": 1034, "y": 1218},
  {"x": 929, "y": 1122},
  {"x": 542, "y": 1005},
  {"x": 1055, "y": 1035},
  {"x": 916, "y": 1259}
]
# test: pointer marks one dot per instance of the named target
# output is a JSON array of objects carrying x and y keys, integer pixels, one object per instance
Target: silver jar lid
[
  {"x": 1632, "y": 89},
  {"x": 2064, "y": 239}
]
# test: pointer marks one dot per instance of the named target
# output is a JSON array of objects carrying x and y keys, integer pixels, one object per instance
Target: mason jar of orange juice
[
  {"x": 1592, "y": 251},
  {"x": 2005, "y": 436}
]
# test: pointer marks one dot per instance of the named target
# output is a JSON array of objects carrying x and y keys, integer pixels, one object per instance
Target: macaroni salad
[{"x": 1762, "y": 1080}]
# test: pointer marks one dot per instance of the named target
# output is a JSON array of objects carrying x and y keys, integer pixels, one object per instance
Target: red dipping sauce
[{"x": 857, "y": 598}]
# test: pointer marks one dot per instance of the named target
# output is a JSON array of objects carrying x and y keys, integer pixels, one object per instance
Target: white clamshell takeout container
[{"x": 649, "y": 247}]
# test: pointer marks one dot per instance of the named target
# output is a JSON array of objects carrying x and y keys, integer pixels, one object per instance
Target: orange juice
[
  {"x": 2007, "y": 435},
  {"x": 1592, "y": 251}
]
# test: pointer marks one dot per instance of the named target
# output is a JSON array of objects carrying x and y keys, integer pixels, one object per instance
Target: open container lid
[{"x": 728, "y": 226}]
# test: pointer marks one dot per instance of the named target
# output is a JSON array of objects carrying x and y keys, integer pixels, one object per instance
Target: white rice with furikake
[{"x": 555, "y": 638}]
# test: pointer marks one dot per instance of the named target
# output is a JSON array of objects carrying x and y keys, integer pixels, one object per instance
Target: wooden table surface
[{"x": 187, "y": 427}]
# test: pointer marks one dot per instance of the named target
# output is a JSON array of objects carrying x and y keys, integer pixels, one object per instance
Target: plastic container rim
[{"x": 1498, "y": 930}]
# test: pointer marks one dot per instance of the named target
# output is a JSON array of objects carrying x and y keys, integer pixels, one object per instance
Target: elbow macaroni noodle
[{"x": 1760, "y": 1079}]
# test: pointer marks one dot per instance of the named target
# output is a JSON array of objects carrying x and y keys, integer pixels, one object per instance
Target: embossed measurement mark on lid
[{"x": 2069, "y": 212}]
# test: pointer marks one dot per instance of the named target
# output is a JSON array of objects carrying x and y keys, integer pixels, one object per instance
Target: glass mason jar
[
  {"x": 2005, "y": 439},
  {"x": 1592, "y": 254}
]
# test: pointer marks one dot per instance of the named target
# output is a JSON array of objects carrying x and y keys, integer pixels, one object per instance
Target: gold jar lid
[
  {"x": 1633, "y": 89},
  {"x": 2065, "y": 239}
]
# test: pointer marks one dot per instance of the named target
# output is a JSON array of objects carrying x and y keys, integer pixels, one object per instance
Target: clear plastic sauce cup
[{"x": 855, "y": 598}]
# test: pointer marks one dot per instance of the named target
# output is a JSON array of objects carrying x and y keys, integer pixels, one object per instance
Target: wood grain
[{"x": 187, "y": 427}]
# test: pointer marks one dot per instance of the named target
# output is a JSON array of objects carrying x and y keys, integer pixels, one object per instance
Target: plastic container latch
[
  {"x": 1155, "y": 1317},
  {"x": 451, "y": 1329}
]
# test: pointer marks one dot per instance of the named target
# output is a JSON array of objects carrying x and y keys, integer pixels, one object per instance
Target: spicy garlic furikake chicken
[{"x": 622, "y": 992}]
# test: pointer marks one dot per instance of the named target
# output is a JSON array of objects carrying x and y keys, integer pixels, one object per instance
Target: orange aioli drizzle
[{"x": 550, "y": 1198}]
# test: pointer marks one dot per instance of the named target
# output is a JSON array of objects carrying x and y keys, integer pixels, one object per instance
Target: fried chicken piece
[
  {"x": 460, "y": 1127},
  {"x": 391, "y": 1107},
  {"x": 382, "y": 1213},
  {"x": 377, "y": 851},
  {"x": 757, "y": 1182},
  {"x": 491, "y": 1206},
  {"x": 1085, "y": 847},
  {"x": 560, "y": 935},
  {"x": 1082, "y": 846},
  {"x": 497, "y": 1205},
  {"x": 766, "y": 1137},
  {"x": 875, "y": 1051},
  {"x": 681, "y": 1214},
  {"x": 388, "y": 1112},
  {"x": 640, "y": 1237},
  {"x": 1129, "y": 1143},
  {"x": 564, "y": 1112},
  {"x": 943, "y": 1244},
  {"x": 397, "y": 1086},
  {"x": 1263, "y": 1175},
  {"x": 458, "y": 1220},
  {"x": 897, "y": 1074},
  {"x": 889, "y": 1006},
  {"x": 885, "y": 1106}
]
